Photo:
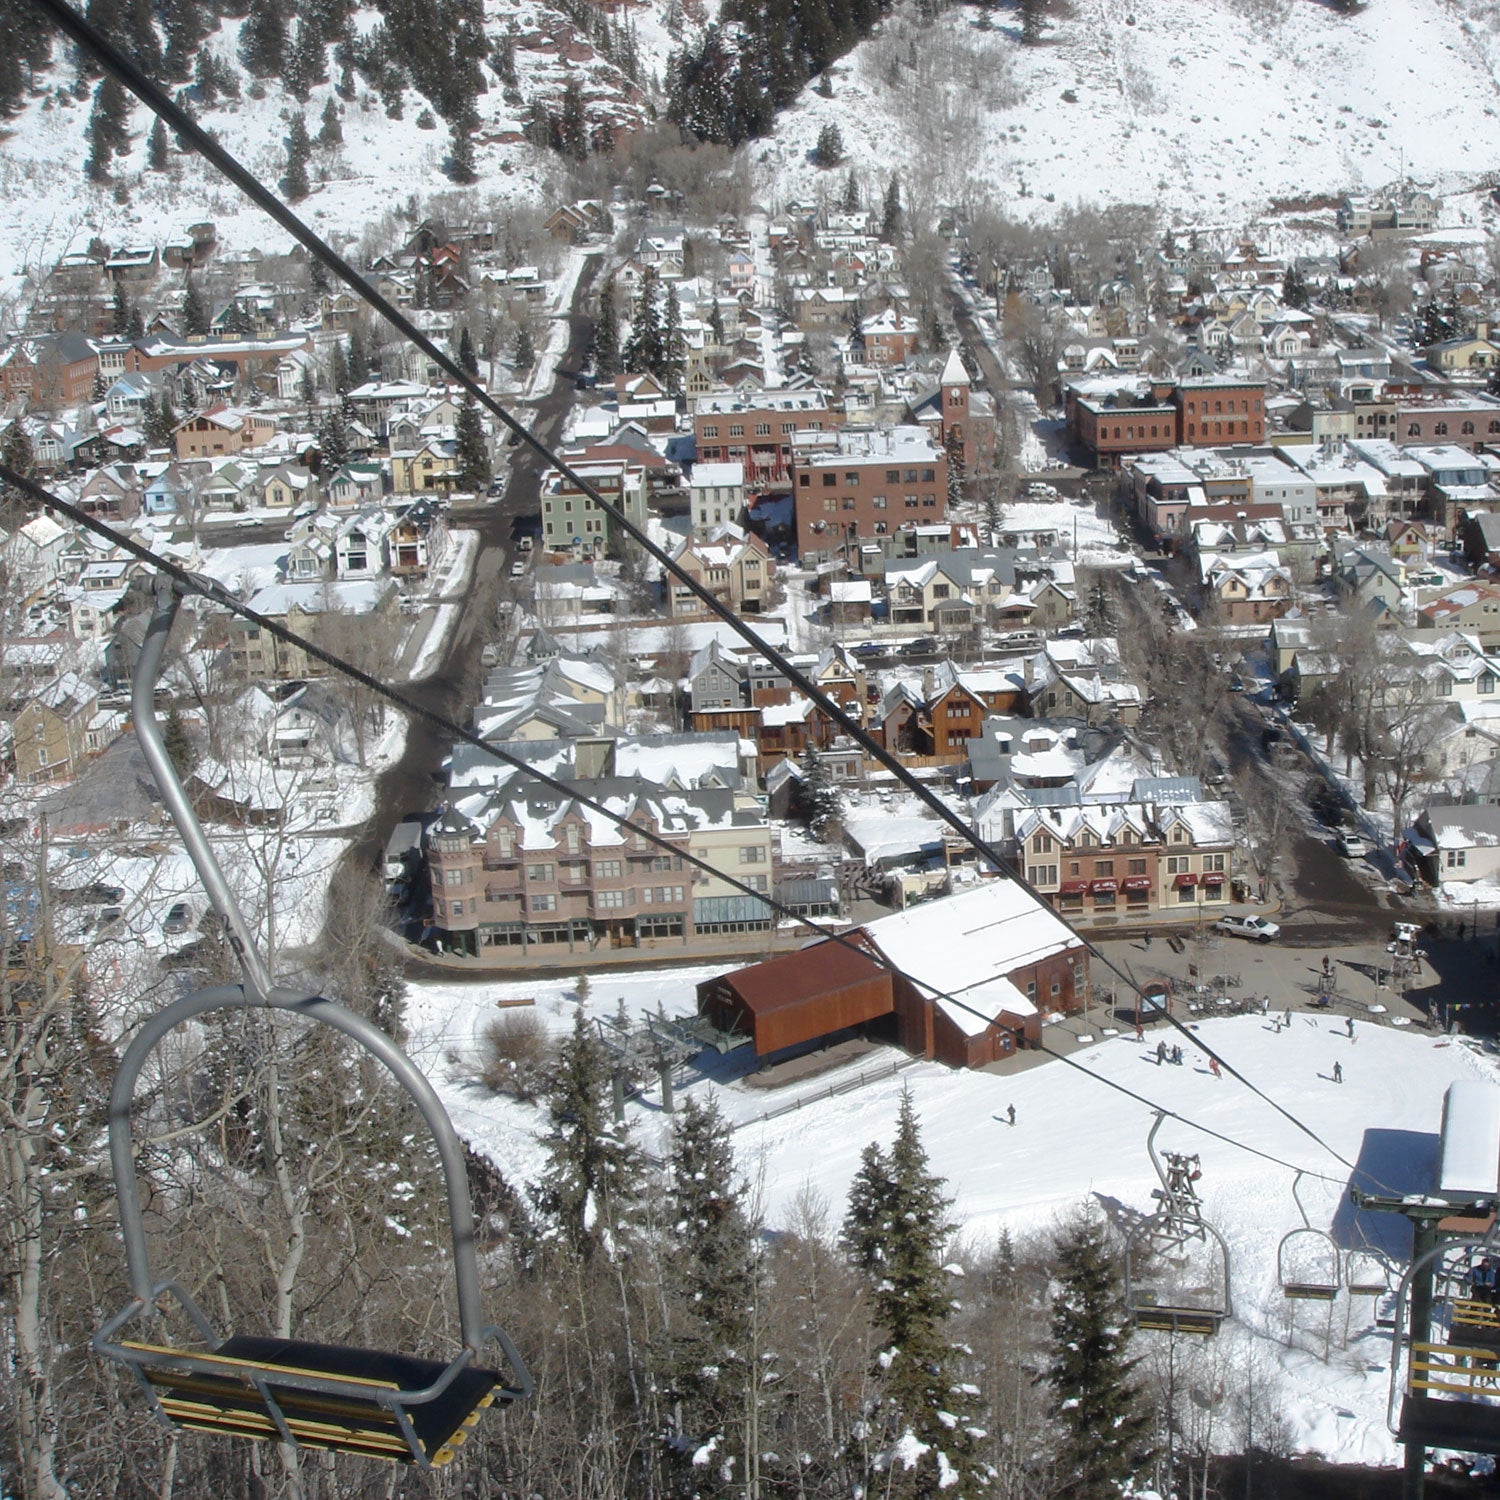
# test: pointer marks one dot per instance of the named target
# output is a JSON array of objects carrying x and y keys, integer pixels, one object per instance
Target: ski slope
[{"x": 1076, "y": 1138}]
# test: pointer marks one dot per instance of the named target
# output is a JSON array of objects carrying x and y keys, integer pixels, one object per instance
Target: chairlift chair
[
  {"x": 1177, "y": 1271},
  {"x": 1442, "y": 1393},
  {"x": 1308, "y": 1263},
  {"x": 325, "y": 1396}
]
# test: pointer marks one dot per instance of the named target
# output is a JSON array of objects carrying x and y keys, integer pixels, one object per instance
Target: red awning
[
  {"x": 1181, "y": 880},
  {"x": 1213, "y": 878},
  {"x": 1104, "y": 887},
  {"x": 1072, "y": 888},
  {"x": 1137, "y": 883}
]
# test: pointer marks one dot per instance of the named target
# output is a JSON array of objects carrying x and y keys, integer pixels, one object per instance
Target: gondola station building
[{"x": 965, "y": 981}]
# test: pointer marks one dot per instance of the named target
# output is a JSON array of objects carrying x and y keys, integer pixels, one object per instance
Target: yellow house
[
  {"x": 50, "y": 733},
  {"x": 433, "y": 466}
]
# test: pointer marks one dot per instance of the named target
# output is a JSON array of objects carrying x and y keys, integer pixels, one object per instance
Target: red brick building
[
  {"x": 757, "y": 430},
  {"x": 864, "y": 483}
]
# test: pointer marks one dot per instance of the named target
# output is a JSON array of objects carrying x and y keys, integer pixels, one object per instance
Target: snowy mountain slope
[
  {"x": 1075, "y": 1138},
  {"x": 1212, "y": 109}
]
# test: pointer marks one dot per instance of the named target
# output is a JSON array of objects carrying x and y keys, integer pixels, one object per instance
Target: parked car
[
  {"x": 518, "y": 568},
  {"x": 1257, "y": 929},
  {"x": 525, "y": 544},
  {"x": 177, "y": 919},
  {"x": 1353, "y": 845}
]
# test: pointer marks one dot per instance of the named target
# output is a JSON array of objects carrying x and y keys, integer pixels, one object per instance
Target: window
[
  {"x": 762, "y": 429},
  {"x": 665, "y": 862},
  {"x": 609, "y": 900},
  {"x": 929, "y": 476},
  {"x": 788, "y": 428},
  {"x": 1467, "y": 429},
  {"x": 1136, "y": 867},
  {"x": 736, "y": 429},
  {"x": 752, "y": 854},
  {"x": 910, "y": 502},
  {"x": 542, "y": 903},
  {"x": 830, "y": 479},
  {"x": 878, "y": 501},
  {"x": 1457, "y": 858},
  {"x": 1104, "y": 867},
  {"x": 908, "y": 476},
  {"x": 1178, "y": 864},
  {"x": 893, "y": 476},
  {"x": 851, "y": 478},
  {"x": 1214, "y": 862},
  {"x": 848, "y": 502},
  {"x": 1185, "y": 895},
  {"x": 758, "y": 882},
  {"x": 1414, "y": 429},
  {"x": 1042, "y": 874},
  {"x": 540, "y": 873},
  {"x": 453, "y": 877},
  {"x": 1041, "y": 843}
]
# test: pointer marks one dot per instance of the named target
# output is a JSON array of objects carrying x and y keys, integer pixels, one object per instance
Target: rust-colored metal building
[{"x": 799, "y": 997}]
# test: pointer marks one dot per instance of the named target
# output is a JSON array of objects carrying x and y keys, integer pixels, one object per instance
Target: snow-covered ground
[
  {"x": 1210, "y": 109},
  {"x": 1075, "y": 1138}
]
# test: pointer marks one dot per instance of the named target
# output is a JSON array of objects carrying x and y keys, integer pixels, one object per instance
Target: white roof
[
  {"x": 717, "y": 476},
  {"x": 964, "y": 943},
  {"x": 1471, "y": 1138}
]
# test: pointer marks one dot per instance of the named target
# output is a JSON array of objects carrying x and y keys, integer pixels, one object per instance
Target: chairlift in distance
[
  {"x": 324, "y": 1396},
  {"x": 1308, "y": 1263},
  {"x": 1177, "y": 1267}
]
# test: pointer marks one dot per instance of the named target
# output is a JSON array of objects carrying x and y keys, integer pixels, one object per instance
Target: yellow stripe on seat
[{"x": 230, "y": 1363}]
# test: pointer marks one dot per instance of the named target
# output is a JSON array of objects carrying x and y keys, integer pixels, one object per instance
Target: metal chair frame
[
  {"x": 291, "y": 1402},
  {"x": 1306, "y": 1289}
]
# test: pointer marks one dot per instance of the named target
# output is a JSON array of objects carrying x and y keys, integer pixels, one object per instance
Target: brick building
[
  {"x": 521, "y": 868},
  {"x": 756, "y": 431},
  {"x": 863, "y": 483}
]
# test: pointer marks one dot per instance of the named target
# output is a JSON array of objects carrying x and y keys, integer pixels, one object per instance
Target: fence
[{"x": 843, "y": 1086}]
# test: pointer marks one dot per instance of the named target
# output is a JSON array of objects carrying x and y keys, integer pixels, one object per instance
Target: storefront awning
[
  {"x": 1137, "y": 883},
  {"x": 1182, "y": 880},
  {"x": 1104, "y": 887},
  {"x": 1072, "y": 888},
  {"x": 1213, "y": 878}
]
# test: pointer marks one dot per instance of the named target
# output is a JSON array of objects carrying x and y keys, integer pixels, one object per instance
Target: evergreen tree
[
  {"x": 331, "y": 131},
  {"x": 108, "y": 136},
  {"x": 177, "y": 743},
  {"x": 1098, "y": 618},
  {"x": 467, "y": 359},
  {"x": 461, "y": 156},
  {"x": 160, "y": 419},
  {"x": 306, "y": 62},
  {"x": 98, "y": 390},
  {"x": 195, "y": 318},
  {"x": 1098, "y": 1406},
  {"x": 119, "y": 311},
  {"x": 829, "y": 151},
  {"x": 298, "y": 149},
  {"x": 333, "y": 441},
  {"x": 716, "y": 323},
  {"x": 955, "y": 469},
  {"x": 674, "y": 346},
  {"x": 818, "y": 798},
  {"x": 1031, "y": 21},
  {"x": 591, "y": 1181},
  {"x": 206, "y": 77},
  {"x": 156, "y": 148},
  {"x": 135, "y": 325},
  {"x": 895, "y": 1231},
  {"x": 572, "y": 124},
  {"x": 524, "y": 353},
  {"x": 607, "y": 334},
  {"x": 851, "y": 201},
  {"x": 338, "y": 368},
  {"x": 1294, "y": 288},
  {"x": 712, "y": 1276},
  {"x": 263, "y": 39},
  {"x": 17, "y": 454},
  {"x": 360, "y": 367},
  {"x": 645, "y": 351},
  {"x": 474, "y": 468},
  {"x": 892, "y": 219}
]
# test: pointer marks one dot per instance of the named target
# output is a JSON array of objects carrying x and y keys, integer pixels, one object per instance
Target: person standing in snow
[
  {"x": 1351, "y": 1028},
  {"x": 1011, "y": 1113},
  {"x": 1213, "y": 1067},
  {"x": 1338, "y": 1072},
  {"x": 1161, "y": 1053}
]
